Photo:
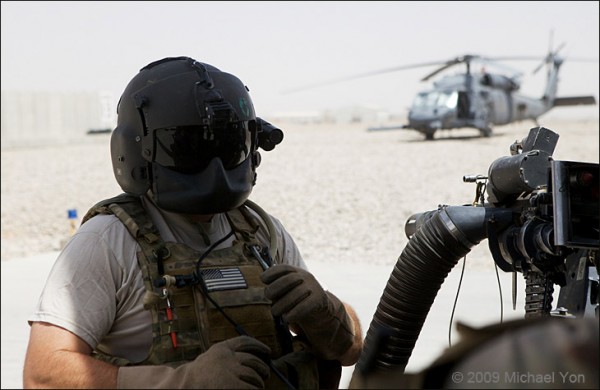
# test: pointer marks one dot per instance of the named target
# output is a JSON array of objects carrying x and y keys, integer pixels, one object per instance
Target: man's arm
[
  {"x": 351, "y": 355},
  {"x": 56, "y": 358}
]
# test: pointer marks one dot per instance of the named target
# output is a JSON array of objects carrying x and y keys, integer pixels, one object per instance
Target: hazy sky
[{"x": 274, "y": 46}]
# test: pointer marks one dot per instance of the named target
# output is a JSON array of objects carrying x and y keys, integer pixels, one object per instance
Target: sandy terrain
[{"x": 344, "y": 193}]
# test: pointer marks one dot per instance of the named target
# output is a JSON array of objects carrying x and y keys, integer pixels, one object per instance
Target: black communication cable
[
  {"x": 456, "y": 299},
  {"x": 462, "y": 272},
  {"x": 239, "y": 329},
  {"x": 500, "y": 290},
  {"x": 210, "y": 249}
]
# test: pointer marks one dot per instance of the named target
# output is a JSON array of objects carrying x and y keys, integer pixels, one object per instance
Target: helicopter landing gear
[{"x": 486, "y": 132}]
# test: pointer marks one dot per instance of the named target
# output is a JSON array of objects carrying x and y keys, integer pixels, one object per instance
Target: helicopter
[{"x": 477, "y": 100}]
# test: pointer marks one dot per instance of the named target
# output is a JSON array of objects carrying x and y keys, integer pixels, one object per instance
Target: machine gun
[
  {"x": 541, "y": 219},
  {"x": 554, "y": 236}
]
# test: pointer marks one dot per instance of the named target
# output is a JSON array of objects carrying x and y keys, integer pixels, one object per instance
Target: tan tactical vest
[{"x": 185, "y": 323}]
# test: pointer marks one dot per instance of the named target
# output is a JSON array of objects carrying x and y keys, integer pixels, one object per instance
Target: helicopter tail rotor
[{"x": 552, "y": 54}]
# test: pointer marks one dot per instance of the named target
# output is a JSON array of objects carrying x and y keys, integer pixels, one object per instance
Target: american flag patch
[{"x": 223, "y": 279}]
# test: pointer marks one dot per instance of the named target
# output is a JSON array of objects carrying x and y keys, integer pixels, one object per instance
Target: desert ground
[{"x": 343, "y": 192}]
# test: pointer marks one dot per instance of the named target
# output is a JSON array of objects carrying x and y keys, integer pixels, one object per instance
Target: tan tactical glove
[
  {"x": 231, "y": 364},
  {"x": 300, "y": 300}
]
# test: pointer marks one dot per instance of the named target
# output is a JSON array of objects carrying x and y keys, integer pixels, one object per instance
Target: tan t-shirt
[{"x": 95, "y": 288}]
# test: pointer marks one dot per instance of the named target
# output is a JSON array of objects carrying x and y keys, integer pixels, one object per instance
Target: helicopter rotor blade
[
  {"x": 545, "y": 59},
  {"x": 467, "y": 59},
  {"x": 441, "y": 69},
  {"x": 361, "y": 75}
]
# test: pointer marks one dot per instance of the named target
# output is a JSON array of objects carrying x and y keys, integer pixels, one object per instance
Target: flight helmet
[{"x": 187, "y": 134}]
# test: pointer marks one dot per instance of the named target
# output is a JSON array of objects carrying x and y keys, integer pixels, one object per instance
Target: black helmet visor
[{"x": 189, "y": 149}]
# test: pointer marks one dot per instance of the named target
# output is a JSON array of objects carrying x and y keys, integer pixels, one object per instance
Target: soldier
[{"x": 182, "y": 281}]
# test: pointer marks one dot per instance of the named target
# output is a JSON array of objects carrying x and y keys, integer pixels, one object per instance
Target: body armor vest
[{"x": 197, "y": 300}]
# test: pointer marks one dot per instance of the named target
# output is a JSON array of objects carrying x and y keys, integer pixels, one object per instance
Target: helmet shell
[{"x": 172, "y": 92}]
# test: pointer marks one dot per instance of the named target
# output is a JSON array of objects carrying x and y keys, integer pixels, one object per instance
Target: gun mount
[{"x": 541, "y": 219}]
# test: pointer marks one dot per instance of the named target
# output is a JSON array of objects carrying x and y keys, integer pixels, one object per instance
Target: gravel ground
[{"x": 344, "y": 193}]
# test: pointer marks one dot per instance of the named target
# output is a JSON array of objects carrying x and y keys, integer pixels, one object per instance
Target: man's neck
[{"x": 200, "y": 218}]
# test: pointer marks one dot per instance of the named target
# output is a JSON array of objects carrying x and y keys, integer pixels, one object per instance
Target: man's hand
[
  {"x": 295, "y": 293},
  {"x": 237, "y": 363},
  {"x": 300, "y": 300}
]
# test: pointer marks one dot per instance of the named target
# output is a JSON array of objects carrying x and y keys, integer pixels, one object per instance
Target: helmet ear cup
[{"x": 131, "y": 170}]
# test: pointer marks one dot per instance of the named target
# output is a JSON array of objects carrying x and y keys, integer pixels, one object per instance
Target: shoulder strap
[
  {"x": 129, "y": 210},
  {"x": 102, "y": 206},
  {"x": 270, "y": 227},
  {"x": 243, "y": 223}
]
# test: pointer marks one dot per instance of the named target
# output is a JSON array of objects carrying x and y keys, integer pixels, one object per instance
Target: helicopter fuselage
[{"x": 474, "y": 101}]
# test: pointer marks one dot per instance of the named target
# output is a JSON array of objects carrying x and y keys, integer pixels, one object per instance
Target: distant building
[
  {"x": 357, "y": 114},
  {"x": 343, "y": 115},
  {"x": 300, "y": 117},
  {"x": 48, "y": 118}
]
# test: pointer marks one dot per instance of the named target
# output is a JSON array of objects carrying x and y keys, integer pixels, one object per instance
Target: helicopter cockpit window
[
  {"x": 449, "y": 99},
  {"x": 436, "y": 99},
  {"x": 420, "y": 100}
]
